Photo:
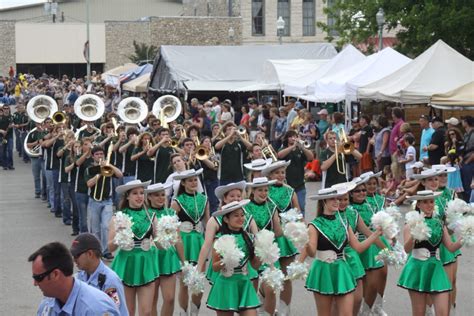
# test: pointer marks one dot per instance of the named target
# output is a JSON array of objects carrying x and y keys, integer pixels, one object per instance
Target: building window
[
  {"x": 283, "y": 10},
  {"x": 332, "y": 20},
  {"x": 309, "y": 21},
  {"x": 258, "y": 17}
]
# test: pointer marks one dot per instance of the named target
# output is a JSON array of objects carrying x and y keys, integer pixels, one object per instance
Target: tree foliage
[
  {"x": 143, "y": 52},
  {"x": 418, "y": 24}
]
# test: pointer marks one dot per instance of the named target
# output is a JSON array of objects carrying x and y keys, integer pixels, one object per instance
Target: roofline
[{"x": 22, "y": 6}]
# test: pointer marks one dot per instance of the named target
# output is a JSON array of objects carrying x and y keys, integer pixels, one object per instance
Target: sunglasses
[
  {"x": 40, "y": 277},
  {"x": 359, "y": 190}
]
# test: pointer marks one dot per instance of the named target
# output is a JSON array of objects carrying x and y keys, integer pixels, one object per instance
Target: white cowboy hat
[
  {"x": 360, "y": 180},
  {"x": 327, "y": 193},
  {"x": 232, "y": 206},
  {"x": 443, "y": 169},
  {"x": 223, "y": 189},
  {"x": 131, "y": 185},
  {"x": 157, "y": 187},
  {"x": 418, "y": 165},
  {"x": 428, "y": 173},
  {"x": 423, "y": 195},
  {"x": 187, "y": 174},
  {"x": 260, "y": 182},
  {"x": 371, "y": 174},
  {"x": 258, "y": 164},
  {"x": 274, "y": 166},
  {"x": 348, "y": 186}
]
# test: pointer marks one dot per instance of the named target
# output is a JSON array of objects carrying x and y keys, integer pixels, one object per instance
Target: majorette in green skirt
[
  {"x": 235, "y": 292},
  {"x": 330, "y": 275},
  {"x": 138, "y": 266},
  {"x": 446, "y": 256},
  {"x": 168, "y": 260},
  {"x": 424, "y": 271},
  {"x": 351, "y": 218}
]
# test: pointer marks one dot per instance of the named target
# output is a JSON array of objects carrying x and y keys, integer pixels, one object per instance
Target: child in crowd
[{"x": 410, "y": 155}]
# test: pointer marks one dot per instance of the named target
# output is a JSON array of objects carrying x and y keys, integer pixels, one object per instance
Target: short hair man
[
  {"x": 86, "y": 251},
  {"x": 52, "y": 268}
]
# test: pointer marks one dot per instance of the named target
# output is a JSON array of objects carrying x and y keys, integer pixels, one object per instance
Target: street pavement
[{"x": 26, "y": 224}]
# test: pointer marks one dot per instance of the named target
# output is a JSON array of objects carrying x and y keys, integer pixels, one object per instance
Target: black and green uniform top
[
  {"x": 162, "y": 164},
  {"x": 51, "y": 160},
  {"x": 142, "y": 222},
  {"x": 332, "y": 233},
  {"x": 281, "y": 195},
  {"x": 332, "y": 175},
  {"x": 365, "y": 212},
  {"x": 232, "y": 158},
  {"x": 102, "y": 182},
  {"x": 350, "y": 217},
  {"x": 117, "y": 158},
  {"x": 86, "y": 133},
  {"x": 80, "y": 183},
  {"x": 162, "y": 211},
  {"x": 6, "y": 120},
  {"x": 376, "y": 201},
  {"x": 35, "y": 136},
  {"x": 193, "y": 207},
  {"x": 64, "y": 161},
  {"x": 441, "y": 202},
  {"x": 262, "y": 213},
  {"x": 436, "y": 237},
  {"x": 241, "y": 244},
  {"x": 19, "y": 119},
  {"x": 295, "y": 170},
  {"x": 143, "y": 165},
  {"x": 128, "y": 166}
]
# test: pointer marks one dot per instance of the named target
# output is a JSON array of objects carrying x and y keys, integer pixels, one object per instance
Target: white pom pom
[
  {"x": 384, "y": 221},
  {"x": 297, "y": 233},
  {"x": 394, "y": 211},
  {"x": 193, "y": 279},
  {"x": 395, "y": 257},
  {"x": 123, "y": 231},
  {"x": 274, "y": 278},
  {"x": 465, "y": 230},
  {"x": 418, "y": 228},
  {"x": 292, "y": 215},
  {"x": 231, "y": 255},
  {"x": 265, "y": 247},
  {"x": 297, "y": 270},
  {"x": 167, "y": 231}
]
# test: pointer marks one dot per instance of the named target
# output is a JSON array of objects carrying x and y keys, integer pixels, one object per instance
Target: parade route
[{"x": 26, "y": 224}]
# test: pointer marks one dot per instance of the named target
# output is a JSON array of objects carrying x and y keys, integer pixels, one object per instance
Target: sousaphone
[
  {"x": 167, "y": 108},
  {"x": 132, "y": 110}
]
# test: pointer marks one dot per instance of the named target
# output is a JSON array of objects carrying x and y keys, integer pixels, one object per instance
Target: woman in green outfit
[
  {"x": 232, "y": 291},
  {"x": 376, "y": 200},
  {"x": 284, "y": 197},
  {"x": 192, "y": 208},
  {"x": 136, "y": 267},
  {"x": 169, "y": 260},
  {"x": 423, "y": 273},
  {"x": 376, "y": 272},
  {"x": 265, "y": 214},
  {"x": 232, "y": 192},
  {"x": 330, "y": 277}
]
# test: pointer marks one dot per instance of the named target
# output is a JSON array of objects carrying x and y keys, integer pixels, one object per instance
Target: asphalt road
[{"x": 26, "y": 224}]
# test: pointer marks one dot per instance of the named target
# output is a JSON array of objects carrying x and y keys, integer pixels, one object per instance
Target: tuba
[
  {"x": 89, "y": 107},
  {"x": 167, "y": 108},
  {"x": 132, "y": 110},
  {"x": 39, "y": 108}
]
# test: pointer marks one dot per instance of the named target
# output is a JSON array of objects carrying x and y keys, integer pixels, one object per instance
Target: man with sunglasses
[
  {"x": 52, "y": 268},
  {"x": 86, "y": 251}
]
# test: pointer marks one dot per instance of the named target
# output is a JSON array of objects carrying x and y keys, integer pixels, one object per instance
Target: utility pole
[{"x": 88, "y": 47}]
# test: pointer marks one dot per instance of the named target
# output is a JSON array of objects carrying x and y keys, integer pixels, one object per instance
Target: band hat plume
[
  {"x": 221, "y": 190},
  {"x": 187, "y": 174},
  {"x": 423, "y": 195},
  {"x": 157, "y": 187},
  {"x": 131, "y": 185},
  {"x": 274, "y": 166},
  {"x": 327, "y": 193},
  {"x": 260, "y": 182},
  {"x": 258, "y": 164},
  {"x": 232, "y": 206}
]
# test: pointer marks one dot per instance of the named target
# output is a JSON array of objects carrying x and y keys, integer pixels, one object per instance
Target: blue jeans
[
  {"x": 54, "y": 190},
  {"x": 211, "y": 196},
  {"x": 467, "y": 171},
  {"x": 100, "y": 213},
  {"x": 115, "y": 196},
  {"x": 6, "y": 153},
  {"x": 69, "y": 205},
  {"x": 44, "y": 183},
  {"x": 36, "y": 169},
  {"x": 18, "y": 146},
  {"x": 301, "y": 194},
  {"x": 82, "y": 200}
]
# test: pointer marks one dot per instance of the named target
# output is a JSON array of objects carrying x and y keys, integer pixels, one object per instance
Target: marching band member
[
  {"x": 143, "y": 164},
  {"x": 168, "y": 260},
  {"x": 192, "y": 208},
  {"x": 209, "y": 175},
  {"x": 82, "y": 162},
  {"x": 129, "y": 172},
  {"x": 162, "y": 152},
  {"x": 65, "y": 180}
]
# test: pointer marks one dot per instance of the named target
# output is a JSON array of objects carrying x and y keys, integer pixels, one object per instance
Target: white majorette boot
[
  {"x": 194, "y": 310},
  {"x": 377, "y": 309},
  {"x": 452, "y": 310},
  {"x": 182, "y": 312},
  {"x": 430, "y": 311},
  {"x": 283, "y": 309},
  {"x": 365, "y": 309}
]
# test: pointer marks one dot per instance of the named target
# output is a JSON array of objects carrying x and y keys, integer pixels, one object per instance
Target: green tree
[
  {"x": 143, "y": 52},
  {"x": 420, "y": 23}
]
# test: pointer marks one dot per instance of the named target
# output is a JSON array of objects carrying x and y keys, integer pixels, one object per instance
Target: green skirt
[
  {"x": 136, "y": 267},
  {"x": 446, "y": 256},
  {"x": 334, "y": 278},
  {"x": 235, "y": 293},
  {"x": 192, "y": 244},
  {"x": 368, "y": 257},
  {"x": 352, "y": 258},
  {"x": 286, "y": 247},
  {"x": 424, "y": 276},
  {"x": 168, "y": 261},
  {"x": 212, "y": 275}
]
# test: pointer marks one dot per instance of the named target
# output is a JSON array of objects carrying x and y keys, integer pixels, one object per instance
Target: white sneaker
[
  {"x": 194, "y": 310},
  {"x": 430, "y": 311},
  {"x": 377, "y": 309},
  {"x": 365, "y": 309},
  {"x": 283, "y": 309},
  {"x": 182, "y": 312}
]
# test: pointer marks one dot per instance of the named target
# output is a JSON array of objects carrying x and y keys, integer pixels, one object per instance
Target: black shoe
[
  {"x": 58, "y": 215},
  {"x": 44, "y": 199},
  {"x": 11, "y": 168},
  {"x": 75, "y": 233},
  {"x": 5, "y": 168},
  {"x": 67, "y": 223},
  {"x": 37, "y": 196}
]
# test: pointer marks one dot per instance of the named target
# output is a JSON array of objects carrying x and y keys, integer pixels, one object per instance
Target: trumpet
[
  {"x": 242, "y": 131},
  {"x": 59, "y": 117},
  {"x": 105, "y": 171},
  {"x": 305, "y": 143}
]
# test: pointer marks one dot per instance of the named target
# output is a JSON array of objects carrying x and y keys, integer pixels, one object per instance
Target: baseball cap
[
  {"x": 252, "y": 101},
  {"x": 299, "y": 106},
  {"x": 452, "y": 121},
  {"x": 84, "y": 242},
  {"x": 323, "y": 112}
]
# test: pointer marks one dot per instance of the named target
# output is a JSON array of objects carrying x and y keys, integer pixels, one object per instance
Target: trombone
[
  {"x": 268, "y": 151},
  {"x": 201, "y": 151},
  {"x": 343, "y": 147},
  {"x": 105, "y": 171}
]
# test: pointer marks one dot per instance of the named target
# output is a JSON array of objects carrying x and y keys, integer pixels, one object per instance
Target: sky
[{"x": 13, "y": 3}]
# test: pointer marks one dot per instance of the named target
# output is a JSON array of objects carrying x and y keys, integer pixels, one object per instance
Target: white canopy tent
[
  {"x": 439, "y": 69},
  {"x": 139, "y": 84},
  {"x": 336, "y": 88},
  {"x": 303, "y": 87},
  {"x": 461, "y": 98}
]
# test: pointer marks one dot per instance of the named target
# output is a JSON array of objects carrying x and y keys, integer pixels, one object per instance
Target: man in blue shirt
[
  {"x": 86, "y": 251},
  {"x": 52, "y": 268},
  {"x": 426, "y": 133}
]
